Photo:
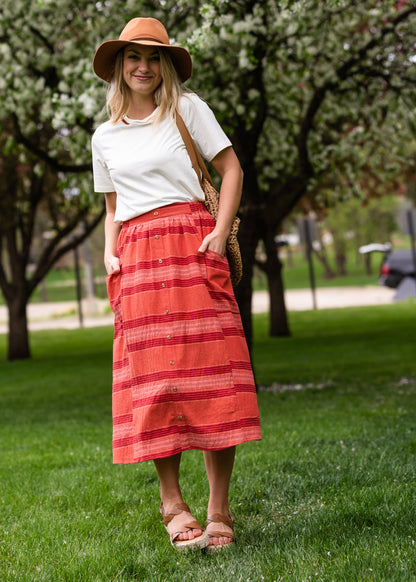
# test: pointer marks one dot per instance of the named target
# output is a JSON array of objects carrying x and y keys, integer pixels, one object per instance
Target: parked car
[{"x": 396, "y": 265}]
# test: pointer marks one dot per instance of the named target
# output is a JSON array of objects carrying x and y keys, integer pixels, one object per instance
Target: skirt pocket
[
  {"x": 113, "y": 283},
  {"x": 218, "y": 273},
  {"x": 216, "y": 255}
]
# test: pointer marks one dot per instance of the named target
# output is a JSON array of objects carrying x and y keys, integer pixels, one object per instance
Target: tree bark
[
  {"x": 279, "y": 324},
  {"x": 18, "y": 339},
  {"x": 367, "y": 264},
  {"x": 248, "y": 239},
  {"x": 323, "y": 259},
  {"x": 340, "y": 260}
]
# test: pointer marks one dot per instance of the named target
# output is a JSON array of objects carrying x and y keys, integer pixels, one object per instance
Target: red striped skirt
[{"x": 182, "y": 377}]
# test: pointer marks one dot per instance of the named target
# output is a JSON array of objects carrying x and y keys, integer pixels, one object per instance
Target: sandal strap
[
  {"x": 227, "y": 520},
  {"x": 220, "y": 518},
  {"x": 216, "y": 533},
  {"x": 179, "y": 508}
]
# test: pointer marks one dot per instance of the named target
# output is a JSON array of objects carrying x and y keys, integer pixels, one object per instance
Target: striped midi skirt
[{"x": 182, "y": 377}]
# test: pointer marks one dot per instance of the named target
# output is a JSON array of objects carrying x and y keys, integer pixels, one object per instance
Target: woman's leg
[
  {"x": 170, "y": 492},
  {"x": 219, "y": 466}
]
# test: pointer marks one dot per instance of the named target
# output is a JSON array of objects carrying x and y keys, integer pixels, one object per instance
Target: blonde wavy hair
[{"x": 166, "y": 96}]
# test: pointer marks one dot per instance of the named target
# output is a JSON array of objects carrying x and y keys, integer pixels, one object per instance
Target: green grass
[
  {"x": 328, "y": 495},
  {"x": 358, "y": 345},
  {"x": 296, "y": 273}
]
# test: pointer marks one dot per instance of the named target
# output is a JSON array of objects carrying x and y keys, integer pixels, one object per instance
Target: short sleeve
[
  {"x": 102, "y": 179},
  {"x": 205, "y": 130}
]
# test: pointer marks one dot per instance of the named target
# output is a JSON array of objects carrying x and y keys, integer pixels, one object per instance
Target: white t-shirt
[{"x": 148, "y": 165}]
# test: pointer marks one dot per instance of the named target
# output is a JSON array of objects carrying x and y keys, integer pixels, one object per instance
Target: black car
[{"x": 396, "y": 265}]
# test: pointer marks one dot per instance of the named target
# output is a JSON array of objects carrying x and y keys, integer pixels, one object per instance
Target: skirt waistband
[{"x": 165, "y": 211}]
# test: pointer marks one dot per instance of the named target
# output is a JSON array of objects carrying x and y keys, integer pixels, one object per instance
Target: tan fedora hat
[{"x": 145, "y": 31}]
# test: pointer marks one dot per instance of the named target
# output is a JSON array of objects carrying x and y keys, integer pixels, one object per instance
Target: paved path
[{"x": 64, "y": 314}]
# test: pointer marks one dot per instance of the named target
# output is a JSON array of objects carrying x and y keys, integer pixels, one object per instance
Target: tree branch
[
  {"x": 42, "y": 155},
  {"x": 342, "y": 73},
  {"x": 52, "y": 254}
]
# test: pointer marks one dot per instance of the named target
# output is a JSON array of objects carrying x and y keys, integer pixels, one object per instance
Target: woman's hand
[
  {"x": 215, "y": 241},
  {"x": 112, "y": 231},
  {"x": 228, "y": 167},
  {"x": 112, "y": 265}
]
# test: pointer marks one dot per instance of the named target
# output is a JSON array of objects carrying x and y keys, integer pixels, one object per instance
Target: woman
[{"x": 181, "y": 371}]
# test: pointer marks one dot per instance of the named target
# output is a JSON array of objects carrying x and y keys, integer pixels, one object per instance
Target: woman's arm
[
  {"x": 112, "y": 230},
  {"x": 228, "y": 167}
]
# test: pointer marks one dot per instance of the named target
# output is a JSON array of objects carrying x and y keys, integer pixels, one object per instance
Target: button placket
[
  {"x": 160, "y": 259},
  {"x": 163, "y": 285}
]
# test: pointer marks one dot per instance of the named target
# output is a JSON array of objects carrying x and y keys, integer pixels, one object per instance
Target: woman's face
[{"x": 141, "y": 69}]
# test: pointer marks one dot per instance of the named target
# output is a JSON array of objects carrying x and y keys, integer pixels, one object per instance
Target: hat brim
[{"x": 105, "y": 56}]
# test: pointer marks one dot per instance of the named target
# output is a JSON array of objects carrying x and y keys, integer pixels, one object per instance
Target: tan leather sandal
[
  {"x": 215, "y": 529},
  {"x": 174, "y": 530}
]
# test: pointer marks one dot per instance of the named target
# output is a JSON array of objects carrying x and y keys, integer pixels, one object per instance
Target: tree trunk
[
  {"x": 244, "y": 290},
  {"x": 322, "y": 257},
  {"x": 18, "y": 348},
  {"x": 341, "y": 261},
  {"x": 367, "y": 264},
  {"x": 279, "y": 325}
]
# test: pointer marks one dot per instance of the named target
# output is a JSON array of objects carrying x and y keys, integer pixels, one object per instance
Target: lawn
[
  {"x": 296, "y": 273},
  {"x": 328, "y": 495}
]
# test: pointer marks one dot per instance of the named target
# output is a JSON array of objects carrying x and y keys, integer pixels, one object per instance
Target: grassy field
[
  {"x": 329, "y": 494},
  {"x": 296, "y": 273}
]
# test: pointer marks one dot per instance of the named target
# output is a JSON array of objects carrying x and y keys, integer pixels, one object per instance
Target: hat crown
[{"x": 148, "y": 29}]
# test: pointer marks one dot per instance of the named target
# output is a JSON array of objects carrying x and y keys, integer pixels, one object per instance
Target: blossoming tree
[
  {"x": 310, "y": 93},
  {"x": 46, "y": 118},
  {"x": 51, "y": 102}
]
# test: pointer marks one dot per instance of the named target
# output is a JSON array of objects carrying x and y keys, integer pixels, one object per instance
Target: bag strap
[{"x": 196, "y": 158}]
